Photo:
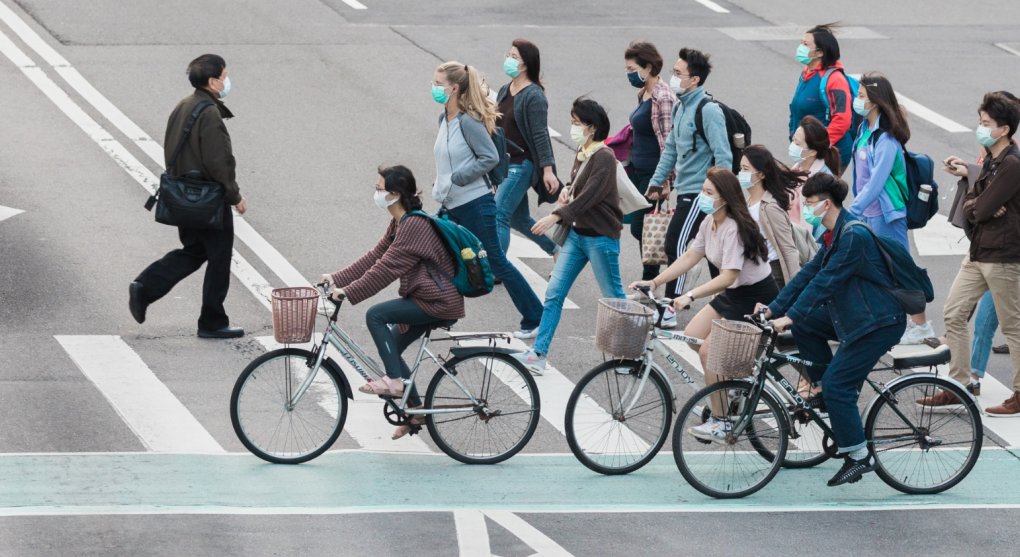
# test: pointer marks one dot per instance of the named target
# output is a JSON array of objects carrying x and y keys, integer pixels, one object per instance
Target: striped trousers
[{"x": 682, "y": 229}]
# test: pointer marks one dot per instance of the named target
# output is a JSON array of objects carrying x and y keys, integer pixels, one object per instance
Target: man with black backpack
[
  {"x": 847, "y": 292},
  {"x": 690, "y": 150}
]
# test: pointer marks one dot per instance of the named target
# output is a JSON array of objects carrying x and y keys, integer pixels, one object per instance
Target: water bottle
[
  {"x": 924, "y": 192},
  {"x": 474, "y": 268}
]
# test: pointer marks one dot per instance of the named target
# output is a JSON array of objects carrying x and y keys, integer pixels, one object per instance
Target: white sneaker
[
  {"x": 532, "y": 360},
  {"x": 915, "y": 334},
  {"x": 525, "y": 334},
  {"x": 713, "y": 430},
  {"x": 668, "y": 319}
]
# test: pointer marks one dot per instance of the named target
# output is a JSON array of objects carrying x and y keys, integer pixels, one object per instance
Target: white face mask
[
  {"x": 577, "y": 134},
  {"x": 226, "y": 87},
  {"x": 796, "y": 153},
  {"x": 675, "y": 85},
  {"x": 381, "y": 201}
]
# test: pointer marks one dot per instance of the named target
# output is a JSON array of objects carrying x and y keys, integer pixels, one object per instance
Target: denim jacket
[{"x": 850, "y": 283}]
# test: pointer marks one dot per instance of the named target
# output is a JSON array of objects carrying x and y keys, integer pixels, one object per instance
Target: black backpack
[{"x": 735, "y": 124}]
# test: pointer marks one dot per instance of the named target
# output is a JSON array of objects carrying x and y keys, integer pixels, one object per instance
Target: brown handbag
[{"x": 653, "y": 235}]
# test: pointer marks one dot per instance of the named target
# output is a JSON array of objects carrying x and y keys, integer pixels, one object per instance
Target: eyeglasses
[{"x": 680, "y": 75}]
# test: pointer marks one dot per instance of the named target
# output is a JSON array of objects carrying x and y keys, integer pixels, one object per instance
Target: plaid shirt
[{"x": 663, "y": 100}]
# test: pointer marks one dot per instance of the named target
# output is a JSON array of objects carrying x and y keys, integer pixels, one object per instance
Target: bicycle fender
[
  {"x": 465, "y": 351},
  {"x": 902, "y": 378},
  {"x": 344, "y": 383}
]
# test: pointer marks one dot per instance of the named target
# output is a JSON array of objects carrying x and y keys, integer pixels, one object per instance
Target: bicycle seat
[
  {"x": 927, "y": 358},
  {"x": 444, "y": 324}
]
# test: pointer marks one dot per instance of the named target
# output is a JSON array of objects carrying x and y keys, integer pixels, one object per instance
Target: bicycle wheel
[
  {"x": 731, "y": 467},
  {"x": 930, "y": 450},
  {"x": 500, "y": 424},
  {"x": 612, "y": 426},
  {"x": 273, "y": 429},
  {"x": 807, "y": 441}
]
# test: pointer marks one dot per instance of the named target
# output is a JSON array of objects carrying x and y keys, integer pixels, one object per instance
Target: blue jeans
[
  {"x": 895, "y": 230},
  {"x": 986, "y": 321},
  {"x": 512, "y": 208},
  {"x": 577, "y": 251},
  {"x": 479, "y": 216},
  {"x": 382, "y": 321},
  {"x": 846, "y": 372}
]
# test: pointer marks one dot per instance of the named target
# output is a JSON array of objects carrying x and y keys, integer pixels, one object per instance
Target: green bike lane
[{"x": 351, "y": 482}]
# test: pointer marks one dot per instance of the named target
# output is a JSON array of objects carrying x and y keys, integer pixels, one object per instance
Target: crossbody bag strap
[
  {"x": 192, "y": 118},
  {"x": 881, "y": 249}
]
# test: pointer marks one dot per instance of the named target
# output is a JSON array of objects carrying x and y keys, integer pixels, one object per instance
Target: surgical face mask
[
  {"x": 744, "y": 177},
  {"x": 859, "y": 107},
  {"x": 226, "y": 87},
  {"x": 511, "y": 66},
  {"x": 984, "y": 136},
  {"x": 796, "y": 153},
  {"x": 807, "y": 212},
  {"x": 577, "y": 134},
  {"x": 706, "y": 204},
  {"x": 803, "y": 54},
  {"x": 674, "y": 84},
  {"x": 635, "y": 79},
  {"x": 381, "y": 201},
  {"x": 439, "y": 94}
]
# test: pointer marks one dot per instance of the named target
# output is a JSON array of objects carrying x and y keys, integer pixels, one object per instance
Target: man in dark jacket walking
[{"x": 208, "y": 153}]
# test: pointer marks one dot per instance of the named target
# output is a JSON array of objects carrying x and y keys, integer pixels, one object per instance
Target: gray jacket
[
  {"x": 531, "y": 112},
  {"x": 464, "y": 155}
]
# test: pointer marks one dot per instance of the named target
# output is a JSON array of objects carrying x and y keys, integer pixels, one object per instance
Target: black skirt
[{"x": 735, "y": 303}]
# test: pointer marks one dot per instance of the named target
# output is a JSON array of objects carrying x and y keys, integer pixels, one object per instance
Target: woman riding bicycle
[
  {"x": 411, "y": 251},
  {"x": 731, "y": 241}
]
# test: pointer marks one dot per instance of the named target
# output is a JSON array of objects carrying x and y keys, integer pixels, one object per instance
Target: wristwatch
[{"x": 690, "y": 295}]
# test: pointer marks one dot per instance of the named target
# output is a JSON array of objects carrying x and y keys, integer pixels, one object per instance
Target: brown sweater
[
  {"x": 994, "y": 239},
  {"x": 596, "y": 204},
  {"x": 408, "y": 252}
]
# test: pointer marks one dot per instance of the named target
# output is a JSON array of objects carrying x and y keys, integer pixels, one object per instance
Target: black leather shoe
[
  {"x": 1001, "y": 349},
  {"x": 135, "y": 303},
  {"x": 225, "y": 332}
]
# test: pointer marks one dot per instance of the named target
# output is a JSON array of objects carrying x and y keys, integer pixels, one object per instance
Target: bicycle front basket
[
  {"x": 622, "y": 326},
  {"x": 733, "y": 348},
  {"x": 294, "y": 314}
]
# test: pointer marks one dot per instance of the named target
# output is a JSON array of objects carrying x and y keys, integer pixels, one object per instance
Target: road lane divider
[{"x": 154, "y": 414}]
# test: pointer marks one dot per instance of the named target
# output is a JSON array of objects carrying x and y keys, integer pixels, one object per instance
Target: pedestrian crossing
[{"x": 164, "y": 424}]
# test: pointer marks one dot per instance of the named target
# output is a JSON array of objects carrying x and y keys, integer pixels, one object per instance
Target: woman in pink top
[{"x": 731, "y": 241}]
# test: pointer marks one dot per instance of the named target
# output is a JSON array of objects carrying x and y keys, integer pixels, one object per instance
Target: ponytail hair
[
  {"x": 817, "y": 139},
  {"x": 400, "y": 180},
  {"x": 473, "y": 99},
  {"x": 777, "y": 178}
]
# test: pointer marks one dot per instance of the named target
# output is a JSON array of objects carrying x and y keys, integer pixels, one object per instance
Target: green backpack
[{"x": 473, "y": 275}]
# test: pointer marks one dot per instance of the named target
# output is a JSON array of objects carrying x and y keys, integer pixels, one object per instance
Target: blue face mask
[
  {"x": 511, "y": 67},
  {"x": 706, "y": 204},
  {"x": 803, "y": 54},
  {"x": 984, "y": 136},
  {"x": 807, "y": 212},
  {"x": 859, "y": 107},
  {"x": 635, "y": 79},
  {"x": 439, "y": 94},
  {"x": 744, "y": 177}
]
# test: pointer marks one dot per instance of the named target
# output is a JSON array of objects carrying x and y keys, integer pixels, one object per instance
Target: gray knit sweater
[
  {"x": 531, "y": 113},
  {"x": 464, "y": 155}
]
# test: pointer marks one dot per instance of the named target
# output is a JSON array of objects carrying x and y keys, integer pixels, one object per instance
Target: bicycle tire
[
  {"x": 810, "y": 451},
  {"x": 516, "y": 403},
  {"x": 251, "y": 404},
  {"x": 641, "y": 439},
  {"x": 959, "y": 427},
  {"x": 697, "y": 466}
]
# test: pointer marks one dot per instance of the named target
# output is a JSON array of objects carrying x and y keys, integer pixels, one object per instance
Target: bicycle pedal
[{"x": 702, "y": 441}]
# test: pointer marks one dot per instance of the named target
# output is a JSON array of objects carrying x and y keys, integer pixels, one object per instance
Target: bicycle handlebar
[
  {"x": 661, "y": 302},
  {"x": 327, "y": 293}
]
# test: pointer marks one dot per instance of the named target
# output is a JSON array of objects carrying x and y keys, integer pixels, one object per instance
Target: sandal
[
  {"x": 415, "y": 421},
  {"x": 383, "y": 387}
]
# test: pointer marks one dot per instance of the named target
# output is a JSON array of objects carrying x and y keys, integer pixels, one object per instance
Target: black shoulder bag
[{"x": 188, "y": 201}]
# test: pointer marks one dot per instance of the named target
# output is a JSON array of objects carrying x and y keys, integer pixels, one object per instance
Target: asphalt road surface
[{"x": 115, "y": 438}]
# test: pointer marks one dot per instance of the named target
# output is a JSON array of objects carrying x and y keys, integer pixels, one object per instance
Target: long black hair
[
  {"x": 825, "y": 41},
  {"x": 726, "y": 183},
  {"x": 881, "y": 94},
  {"x": 399, "y": 179},
  {"x": 816, "y": 137},
  {"x": 531, "y": 59},
  {"x": 777, "y": 178}
]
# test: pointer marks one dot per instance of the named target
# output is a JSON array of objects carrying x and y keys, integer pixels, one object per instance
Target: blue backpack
[
  {"x": 473, "y": 275},
  {"x": 912, "y": 287},
  {"x": 855, "y": 119}
]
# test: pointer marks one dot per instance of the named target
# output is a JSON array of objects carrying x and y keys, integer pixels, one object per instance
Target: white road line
[
  {"x": 713, "y": 6},
  {"x": 472, "y": 534},
  {"x": 1008, "y": 49},
  {"x": 145, "y": 404},
  {"x": 8, "y": 212},
  {"x": 365, "y": 421},
  {"x": 915, "y": 108},
  {"x": 993, "y": 393},
  {"x": 522, "y": 247},
  {"x": 939, "y": 237},
  {"x": 527, "y": 533},
  {"x": 355, "y": 4}
]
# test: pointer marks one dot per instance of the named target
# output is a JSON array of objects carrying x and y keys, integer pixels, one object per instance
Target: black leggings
[
  {"x": 382, "y": 321},
  {"x": 683, "y": 227}
]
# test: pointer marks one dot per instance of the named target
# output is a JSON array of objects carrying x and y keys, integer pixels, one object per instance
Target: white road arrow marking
[{"x": 8, "y": 212}]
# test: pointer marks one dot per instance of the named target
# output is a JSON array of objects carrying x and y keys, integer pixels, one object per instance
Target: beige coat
[{"x": 775, "y": 225}]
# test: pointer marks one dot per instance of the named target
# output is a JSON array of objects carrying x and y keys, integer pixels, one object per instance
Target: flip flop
[
  {"x": 379, "y": 387},
  {"x": 402, "y": 430}
]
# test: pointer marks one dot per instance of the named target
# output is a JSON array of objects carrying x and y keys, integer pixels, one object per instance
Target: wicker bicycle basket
[
  {"x": 733, "y": 348},
  {"x": 622, "y": 326},
  {"x": 294, "y": 314}
]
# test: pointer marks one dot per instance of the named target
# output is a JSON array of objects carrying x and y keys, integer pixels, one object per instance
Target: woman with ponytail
[
  {"x": 811, "y": 152},
  {"x": 769, "y": 187},
  {"x": 464, "y": 154}
]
